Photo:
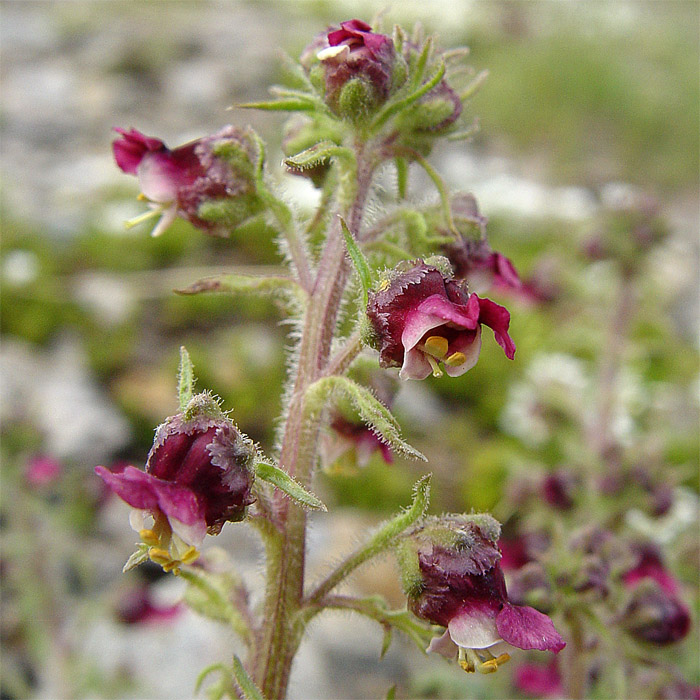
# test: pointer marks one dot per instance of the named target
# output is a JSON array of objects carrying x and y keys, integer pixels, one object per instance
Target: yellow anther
[
  {"x": 383, "y": 286},
  {"x": 502, "y": 658},
  {"x": 149, "y": 537},
  {"x": 437, "y": 372},
  {"x": 465, "y": 659},
  {"x": 141, "y": 197},
  {"x": 159, "y": 556},
  {"x": 455, "y": 359},
  {"x": 176, "y": 571},
  {"x": 436, "y": 346},
  {"x": 490, "y": 666},
  {"x": 189, "y": 555},
  {"x": 170, "y": 565}
]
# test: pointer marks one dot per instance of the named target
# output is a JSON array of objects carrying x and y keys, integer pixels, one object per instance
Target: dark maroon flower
[
  {"x": 558, "y": 489},
  {"x": 539, "y": 680},
  {"x": 178, "y": 182},
  {"x": 420, "y": 316},
  {"x": 199, "y": 475},
  {"x": 354, "y": 52},
  {"x": 352, "y": 444},
  {"x": 655, "y": 612},
  {"x": 454, "y": 580},
  {"x": 42, "y": 471}
]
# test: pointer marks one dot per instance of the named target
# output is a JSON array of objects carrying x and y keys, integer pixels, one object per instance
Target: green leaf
[
  {"x": 220, "y": 689},
  {"x": 285, "y": 105},
  {"x": 359, "y": 260},
  {"x": 370, "y": 409},
  {"x": 185, "y": 379},
  {"x": 391, "y": 693},
  {"x": 283, "y": 290},
  {"x": 284, "y": 482},
  {"x": 138, "y": 557},
  {"x": 245, "y": 682}
]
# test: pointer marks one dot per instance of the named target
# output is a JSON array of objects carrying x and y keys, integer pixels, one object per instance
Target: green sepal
[
  {"x": 317, "y": 155},
  {"x": 282, "y": 105},
  {"x": 375, "y": 414},
  {"x": 138, "y": 557},
  {"x": 282, "y": 289},
  {"x": 224, "y": 687},
  {"x": 359, "y": 260},
  {"x": 394, "y": 107},
  {"x": 245, "y": 682},
  {"x": 284, "y": 482},
  {"x": 185, "y": 379}
]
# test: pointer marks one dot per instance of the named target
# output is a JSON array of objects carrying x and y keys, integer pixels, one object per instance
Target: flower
[
  {"x": 137, "y": 606},
  {"x": 355, "y": 57},
  {"x": 452, "y": 578},
  {"x": 42, "y": 471},
  {"x": 199, "y": 475},
  {"x": 420, "y": 316},
  {"x": 538, "y": 680},
  {"x": 654, "y": 613},
  {"x": 350, "y": 445},
  {"x": 179, "y": 182}
]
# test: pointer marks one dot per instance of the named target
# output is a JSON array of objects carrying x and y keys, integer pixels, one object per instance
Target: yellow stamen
[
  {"x": 436, "y": 346},
  {"x": 189, "y": 555},
  {"x": 455, "y": 359},
  {"x": 142, "y": 197},
  {"x": 465, "y": 660},
  {"x": 502, "y": 658},
  {"x": 437, "y": 372},
  {"x": 489, "y": 666},
  {"x": 152, "y": 213},
  {"x": 383, "y": 286},
  {"x": 171, "y": 565},
  {"x": 159, "y": 556},
  {"x": 149, "y": 537}
]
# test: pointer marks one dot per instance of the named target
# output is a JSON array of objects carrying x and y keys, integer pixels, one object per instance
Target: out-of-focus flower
[
  {"x": 186, "y": 180},
  {"x": 539, "y": 680},
  {"x": 199, "y": 475},
  {"x": 42, "y": 471},
  {"x": 136, "y": 606},
  {"x": 558, "y": 489},
  {"x": 452, "y": 577},
  {"x": 358, "y": 67},
  {"x": 654, "y": 613},
  {"x": 420, "y": 317},
  {"x": 351, "y": 441}
]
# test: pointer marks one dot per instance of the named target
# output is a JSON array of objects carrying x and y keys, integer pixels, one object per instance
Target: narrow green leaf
[
  {"x": 370, "y": 409},
  {"x": 386, "y": 641},
  {"x": 420, "y": 63},
  {"x": 284, "y": 105},
  {"x": 359, "y": 260},
  {"x": 222, "y": 668},
  {"x": 245, "y": 682},
  {"x": 185, "y": 379},
  {"x": 391, "y": 693},
  {"x": 474, "y": 85},
  {"x": 284, "y": 482},
  {"x": 393, "y": 107}
]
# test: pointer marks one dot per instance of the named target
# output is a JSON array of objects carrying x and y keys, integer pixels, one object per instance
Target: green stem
[{"x": 298, "y": 454}]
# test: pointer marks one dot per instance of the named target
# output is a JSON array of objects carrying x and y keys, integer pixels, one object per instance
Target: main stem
[{"x": 286, "y": 555}]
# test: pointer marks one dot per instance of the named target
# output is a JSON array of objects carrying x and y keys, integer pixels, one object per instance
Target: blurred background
[{"x": 588, "y": 105}]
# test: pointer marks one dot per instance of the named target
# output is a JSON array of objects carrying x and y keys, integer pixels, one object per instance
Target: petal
[
  {"x": 527, "y": 628},
  {"x": 474, "y": 627},
  {"x": 131, "y": 485},
  {"x": 415, "y": 365},
  {"x": 497, "y": 317},
  {"x": 131, "y": 148},
  {"x": 158, "y": 177},
  {"x": 470, "y": 345},
  {"x": 443, "y": 645}
]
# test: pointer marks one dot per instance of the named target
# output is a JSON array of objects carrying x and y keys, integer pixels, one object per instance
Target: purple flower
[
  {"x": 457, "y": 583},
  {"x": 42, "y": 471},
  {"x": 354, "y": 52},
  {"x": 178, "y": 182},
  {"x": 558, "y": 489},
  {"x": 538, "y": 680},
  {"x": 353, "y": 444},
  {"x": 136, "y": 606},
  {"x": 654, "y": 613},
  {"x": 199, "y": 475},
  {"x": 420, "y": 317}
]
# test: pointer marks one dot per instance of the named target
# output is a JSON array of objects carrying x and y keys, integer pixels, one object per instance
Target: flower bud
[
  {"x": 208, "y": 182},
  {"x": 420, "y": 316},
  {"x": 558, "y": 489},
  {"x": 199, "y": 475},
  {"x": 358, "y": 68},
  {"x": 451, "y": 575}
]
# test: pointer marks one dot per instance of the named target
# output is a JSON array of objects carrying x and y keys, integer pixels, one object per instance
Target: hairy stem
[{"x": 286, "y": 555}]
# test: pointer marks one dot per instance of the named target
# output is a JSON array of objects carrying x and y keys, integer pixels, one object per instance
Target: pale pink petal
[
  {"x": 157, "y": 180},
  {"x": 415, "y": 365},
  {"x": 474, "y": 628},
  {"x": 443, "y": 645},
  {"x": 471, "y": 350}
]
